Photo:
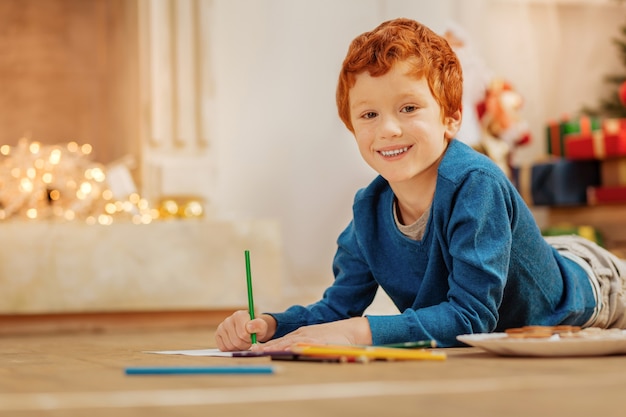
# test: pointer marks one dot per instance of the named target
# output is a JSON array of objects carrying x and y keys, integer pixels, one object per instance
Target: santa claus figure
[{"x": 504, "y": 130}]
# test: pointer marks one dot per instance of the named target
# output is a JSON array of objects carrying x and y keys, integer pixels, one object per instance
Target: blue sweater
[{"x": 482, "y": 265}]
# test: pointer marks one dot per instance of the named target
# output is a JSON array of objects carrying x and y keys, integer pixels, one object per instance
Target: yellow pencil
[{"x": 369, "y": 352}]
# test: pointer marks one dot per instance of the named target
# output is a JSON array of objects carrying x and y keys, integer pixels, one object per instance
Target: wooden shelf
[{"x": 609, "y": 220}]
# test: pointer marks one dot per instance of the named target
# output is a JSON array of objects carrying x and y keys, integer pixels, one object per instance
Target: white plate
[{"x": 500, "y": 344}]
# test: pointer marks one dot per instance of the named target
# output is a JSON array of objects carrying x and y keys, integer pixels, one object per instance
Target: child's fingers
[
  {"x": 258, "y": 326},
  {"x": 231, "y": 334}
]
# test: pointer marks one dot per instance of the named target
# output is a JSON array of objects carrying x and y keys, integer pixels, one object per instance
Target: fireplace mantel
[{"x": 167, "y": 265}]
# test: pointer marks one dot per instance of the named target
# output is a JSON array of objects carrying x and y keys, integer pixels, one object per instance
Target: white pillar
[{"x": 176, "y": 96}]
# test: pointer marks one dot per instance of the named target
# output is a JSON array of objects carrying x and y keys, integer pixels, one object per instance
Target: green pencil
[
  {"x": 250, "y": 297},
  {"x": 413, "y": 345}
]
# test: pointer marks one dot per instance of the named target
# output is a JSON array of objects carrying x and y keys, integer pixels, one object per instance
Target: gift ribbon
[
  {"x": 611, "y": 127},
  {"x": 585, "y": 126},
  {"x": 599, "y": 147}
]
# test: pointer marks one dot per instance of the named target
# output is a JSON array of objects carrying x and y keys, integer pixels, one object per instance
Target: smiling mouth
[{"x": 394, "y": 152}]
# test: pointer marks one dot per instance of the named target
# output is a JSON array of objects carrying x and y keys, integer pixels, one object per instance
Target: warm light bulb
[
  {"x": 26, "y": 185},
  {"x": 105, "y": 220},
  {"x": 55, "y": 157},
  {"x": 54, "y": 195},
  {"x": 34, "y": 147},
  {"x": 169, "y": 207},
  {"x": 72, "y": 146},
  {"x": 98, "y": 175},
  {"x": 142, "y": 204},
  {"x": 86, "y": 149},
  {"x": 193, "y": 209},
  {"x": 110, "y": 208},
  {"x": 86, "y": 187}
]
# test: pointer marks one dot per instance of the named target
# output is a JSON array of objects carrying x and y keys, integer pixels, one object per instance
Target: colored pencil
[
  {"x": 413, "y": 345},
  {"x": 196, "y": 370},
  {"x": 250, "y": 297},
  {"x": 367, "y": 352}
]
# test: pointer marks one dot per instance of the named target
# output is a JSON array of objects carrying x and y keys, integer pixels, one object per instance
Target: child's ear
[{"x": 453, "y": 124}]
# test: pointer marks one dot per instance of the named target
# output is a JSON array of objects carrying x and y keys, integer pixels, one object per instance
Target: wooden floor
[{"x": 82, "y": 374}]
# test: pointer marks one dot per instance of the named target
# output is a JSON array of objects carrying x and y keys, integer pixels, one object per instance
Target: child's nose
[{"x": 390, "y": 128}]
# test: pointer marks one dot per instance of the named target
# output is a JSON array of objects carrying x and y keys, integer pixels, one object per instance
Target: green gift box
[{"x": 556, "y": 132}]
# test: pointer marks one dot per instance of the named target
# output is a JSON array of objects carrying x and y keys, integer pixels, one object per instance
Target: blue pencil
[{"x": 196, "y": 370}]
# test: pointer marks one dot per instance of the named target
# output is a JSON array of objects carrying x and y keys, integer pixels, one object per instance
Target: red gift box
[
  {"x": 606, "y": 195},
  {"x": 588, "y": 145},
  {"x": 614, "y": 129},
  {"x": 597, "y": 145}
]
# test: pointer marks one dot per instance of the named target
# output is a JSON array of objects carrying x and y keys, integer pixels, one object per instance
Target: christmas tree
[{"x": 614, "y": 105}]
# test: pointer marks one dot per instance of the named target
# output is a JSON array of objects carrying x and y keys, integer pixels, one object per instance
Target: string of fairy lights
[{"x": 61, "y": 182}]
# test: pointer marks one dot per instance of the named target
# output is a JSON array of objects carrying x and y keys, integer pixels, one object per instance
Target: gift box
[
  {"x": 591, "y": 143},
  {"x": 614, "y": 129},
  {"x": 554, "y": 139},
  {"x": 558, "y": 182},
  {"x": 613, "y": 172},
  {"x": 583, "y": 124},
  {"x": 606, "y": 195},
  {"x": 594, "y": 146},
  {"x": 556, "y": 132}
]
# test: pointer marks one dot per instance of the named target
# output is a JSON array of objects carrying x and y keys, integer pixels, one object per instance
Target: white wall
[{"x": 281, "y": 150}]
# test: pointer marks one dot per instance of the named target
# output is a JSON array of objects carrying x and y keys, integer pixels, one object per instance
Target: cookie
[{"x": 538, "y": 332}]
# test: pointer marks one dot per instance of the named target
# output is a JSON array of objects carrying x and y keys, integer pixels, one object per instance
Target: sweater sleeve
[{"x": 352, "y": 291}]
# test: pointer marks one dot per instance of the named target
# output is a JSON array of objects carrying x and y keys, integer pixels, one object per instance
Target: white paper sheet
[{"x": 195, "y": 352}]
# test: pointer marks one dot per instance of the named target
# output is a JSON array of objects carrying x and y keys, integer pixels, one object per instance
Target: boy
[{"x": 441, "y": 229}]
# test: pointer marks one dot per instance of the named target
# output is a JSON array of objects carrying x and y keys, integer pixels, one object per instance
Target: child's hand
[
  {"x": 354, "y": 331},
  {"x": 234, "y": 332}
]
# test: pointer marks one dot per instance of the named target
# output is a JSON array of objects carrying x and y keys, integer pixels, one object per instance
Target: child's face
[{"x": 398, "y": 125}]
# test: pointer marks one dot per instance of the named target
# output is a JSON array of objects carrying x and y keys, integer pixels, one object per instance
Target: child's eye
[
  {"x": 408, "y": 109},
  {"x": 369, "y": 115}
]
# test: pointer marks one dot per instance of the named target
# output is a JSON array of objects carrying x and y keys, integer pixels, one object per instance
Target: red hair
[{"x": 403, "y": 40}]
